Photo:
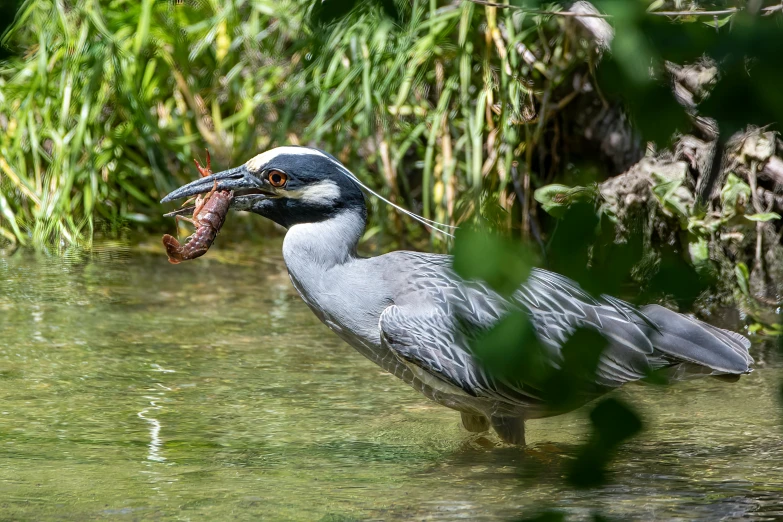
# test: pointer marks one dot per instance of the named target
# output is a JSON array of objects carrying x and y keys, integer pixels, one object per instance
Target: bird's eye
[{"x": 277, "y": 178}]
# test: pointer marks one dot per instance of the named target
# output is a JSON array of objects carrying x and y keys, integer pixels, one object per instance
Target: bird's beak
[{"x": 236, "y": 179}]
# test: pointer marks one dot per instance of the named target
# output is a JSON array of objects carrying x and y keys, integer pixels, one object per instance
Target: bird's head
[
  {"x": 289, "y": 185},
  {"x": 295, "y": 185}
]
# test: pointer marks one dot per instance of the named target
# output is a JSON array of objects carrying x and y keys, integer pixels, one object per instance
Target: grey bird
[{"x": 408, "y": 311}]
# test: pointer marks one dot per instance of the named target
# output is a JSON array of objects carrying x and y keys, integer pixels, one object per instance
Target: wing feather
[
  {"x": 691, "y": 340},
  {"x": 433, "y": 342},
  {"x": 422, "y": 331}
]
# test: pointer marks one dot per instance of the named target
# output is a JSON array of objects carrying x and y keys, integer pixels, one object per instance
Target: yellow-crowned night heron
[{"x": 400, "y": 309}]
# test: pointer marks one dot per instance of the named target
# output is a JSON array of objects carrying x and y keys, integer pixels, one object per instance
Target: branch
[
  {"x": 540, "y": 11},
  {"x": 731, "y": 10},
  {"x": 767, "y": 11}
]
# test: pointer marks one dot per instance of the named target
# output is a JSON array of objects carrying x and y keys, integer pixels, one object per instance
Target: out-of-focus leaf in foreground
[
  {"x": 511, "y": 352},
  {"x": 570, "y": 384},
  {"x": 676, "y": 278},
  {"x": 503, "y": 263},
  {"x": 613, "y": 423}
]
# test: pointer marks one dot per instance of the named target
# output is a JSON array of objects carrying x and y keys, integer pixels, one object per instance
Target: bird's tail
[{"x": 692, "y": 341}]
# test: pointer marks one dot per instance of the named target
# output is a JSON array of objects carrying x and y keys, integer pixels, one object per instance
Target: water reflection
[
  {"x": 155, "y": 426},
  {"x": 208, "y": 391},
  {"x": 156, "y": 443}
]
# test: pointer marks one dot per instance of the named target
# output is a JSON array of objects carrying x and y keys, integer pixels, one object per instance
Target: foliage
[
  {"x": 613, "y": 423},
  {"x": 555, "y": 198},
  {"x": 747, "y": 46},
  {"x": 105, "y": 102},
  {"x": 503, "y": 263},
  {"x": 691, "y": 265},
  {"x": 582, "y": 244},
  {"x": 511, "y": 352}
]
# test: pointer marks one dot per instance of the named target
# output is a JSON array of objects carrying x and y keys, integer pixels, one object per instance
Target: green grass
[{"x": 105, "y": 103}]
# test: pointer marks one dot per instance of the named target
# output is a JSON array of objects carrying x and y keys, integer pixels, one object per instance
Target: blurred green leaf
[
  {"x": 630, "y": 48},
  {"x": 749, "y": 56},
  {"x": 568, "y": 386},
  {"x": 584, "y": 248},
  {"x": 511, "y": 352},
  {"x": 651, "y": 105},
  {"x": 503, "y": 263},
  {"x": 699, "y": 251},
  {"x": 676, "y": 278},
  {"x": 569, "y": 247},
  {"x": 613, "y": 423}
]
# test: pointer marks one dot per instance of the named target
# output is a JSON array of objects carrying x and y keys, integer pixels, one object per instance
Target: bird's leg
[
  {"x": 510, "y": 429},
  {"x": 475, "y": 423}
]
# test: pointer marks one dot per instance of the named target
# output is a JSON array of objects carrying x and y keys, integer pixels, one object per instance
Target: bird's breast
[{"x": 350, "y": 314}]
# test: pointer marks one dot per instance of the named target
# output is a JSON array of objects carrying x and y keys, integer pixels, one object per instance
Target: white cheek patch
[
  {"x": 257, "y": 163},
  {"x": 321, "y": 193}
]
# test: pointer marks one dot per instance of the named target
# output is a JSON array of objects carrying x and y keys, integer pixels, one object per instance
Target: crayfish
[{"x": 209, "y": 213}]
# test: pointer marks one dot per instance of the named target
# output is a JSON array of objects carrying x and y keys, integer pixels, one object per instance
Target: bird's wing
[
  {"x": 430, "y": 340},
  {"x": 639, "y": 341},
  {"x": 684, "y": 338},
  {"x": 558, "y": 307}
]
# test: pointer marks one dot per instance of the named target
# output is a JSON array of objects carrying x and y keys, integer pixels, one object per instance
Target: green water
[{"x": 132, "y": 389}]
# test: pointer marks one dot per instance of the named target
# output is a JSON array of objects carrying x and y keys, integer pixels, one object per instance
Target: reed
[{"x": 105, "y": 103}]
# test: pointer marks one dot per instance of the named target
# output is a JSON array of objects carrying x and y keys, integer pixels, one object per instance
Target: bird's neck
[{"x": 324, "y": 244}]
